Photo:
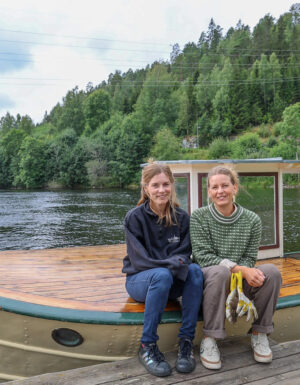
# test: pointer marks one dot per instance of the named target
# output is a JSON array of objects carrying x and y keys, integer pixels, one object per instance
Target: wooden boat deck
[
  {"x": 90, "y": 279},
  {"x": 238, "y": 368}
]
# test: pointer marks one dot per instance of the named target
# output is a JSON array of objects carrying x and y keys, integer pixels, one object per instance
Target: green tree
[
  {"x": 4, "y": 177},
  {"x": 291, "y": 85},
  {"x": 114, "y": 81},
  {"x": 7, "y": 122},
  {"x": 263, "y": 35},
  {"x": 107, "y": 136},
  {"x": 25, "y": 123},
  {"x": 284, "y": 150},
  {"x": 155, "y": 106},
  {"x": 221, "y": 101},
  {"x": 213, "y": 35},
  {"x": 176, "y": 51},
  {"x": 97, "y": 108},
  {"x": 203, "y": 128},
  {"x": 70, "y": 114},
  {"x": 190, "y": 56},
  {"x": 247, "y": 146},
  {"x": 277, "y": 105},
  {"x": 166, "y": 146},
  {"x": 206, "y": 89},
  {"x": 255, "y": 95},
  {"x": 237, "y": 44},
  {"x": 220, "y": 149},
  {"x": 97, "y": 172},
  {"x": 32, "y": 164},
  {"x": 291, "y": 121},
  {"x": 185, "y": 99},
  {"x": 290, "y": 125},
  {"x": 44, "y": 131},
  {"x": 61, "y": 152},
  {"x": 10, "y": 144},
  {"x": 132, "y": 148}
]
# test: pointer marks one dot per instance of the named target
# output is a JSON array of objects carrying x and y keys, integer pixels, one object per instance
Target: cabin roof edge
[{"x": 222, "y": 161}]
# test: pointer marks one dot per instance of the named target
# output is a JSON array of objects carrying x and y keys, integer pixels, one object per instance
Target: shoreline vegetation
[
  {"x": 232, "y": 94},
  {"x": 245, "y": 186}
]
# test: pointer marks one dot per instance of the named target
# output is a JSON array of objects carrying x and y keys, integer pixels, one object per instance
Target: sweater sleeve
[
  {"x": 203, "y": 251},
  {"x": 250, "y": 256},
  {"x": 139, "y": 259}
]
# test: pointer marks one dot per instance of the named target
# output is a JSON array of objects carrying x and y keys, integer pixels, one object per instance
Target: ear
[
  {"x": 145, "y": 191},
  {"x": 208, "y": 193}
]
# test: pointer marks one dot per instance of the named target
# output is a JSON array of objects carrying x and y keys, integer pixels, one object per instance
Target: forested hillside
[{"x": 230, "y": 94}]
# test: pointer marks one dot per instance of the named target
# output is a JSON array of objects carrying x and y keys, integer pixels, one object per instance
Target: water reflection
[
  {"x": 33, "y": 220},
  {"x": 45, "y": 219},
  {"x": 291, "y": 219}
]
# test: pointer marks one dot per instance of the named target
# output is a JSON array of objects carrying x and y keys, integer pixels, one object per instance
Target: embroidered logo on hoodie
[{"x": 174, "y": 239}]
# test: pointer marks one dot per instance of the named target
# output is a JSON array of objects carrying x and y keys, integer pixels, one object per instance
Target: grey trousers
[{"x": 216, "y": 290}]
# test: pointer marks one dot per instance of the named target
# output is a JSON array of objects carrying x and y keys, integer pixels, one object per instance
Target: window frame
[{"x": 188, "y": 177}]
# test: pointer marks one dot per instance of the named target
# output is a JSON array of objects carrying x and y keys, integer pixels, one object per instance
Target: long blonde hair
[{"x": 148, "y": 173}]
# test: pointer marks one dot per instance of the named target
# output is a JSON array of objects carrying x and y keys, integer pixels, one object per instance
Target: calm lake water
[{"x": 48, "y": 219}]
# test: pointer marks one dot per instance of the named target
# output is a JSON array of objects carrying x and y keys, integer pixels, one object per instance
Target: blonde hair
[
  {"x": 224, "y": 170},
  {"x": 148, "y": 173}
]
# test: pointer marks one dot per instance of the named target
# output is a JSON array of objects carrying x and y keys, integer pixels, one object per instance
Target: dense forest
[{"x": 229, "y": 95}]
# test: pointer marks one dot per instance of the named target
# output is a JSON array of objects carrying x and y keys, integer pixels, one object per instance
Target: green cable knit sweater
[{"x": 215, "y": 237}]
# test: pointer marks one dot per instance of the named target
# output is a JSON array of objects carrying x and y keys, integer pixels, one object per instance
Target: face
[
  {"x": 159, "y": 190},
  {"x": 221, "y": 191}
]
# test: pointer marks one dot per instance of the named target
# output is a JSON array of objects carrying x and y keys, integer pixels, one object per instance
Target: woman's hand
[{"x": 253, "y": 276}]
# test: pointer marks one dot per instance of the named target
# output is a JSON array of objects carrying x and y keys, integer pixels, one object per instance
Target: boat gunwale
[{"x": 106, "y": 317}]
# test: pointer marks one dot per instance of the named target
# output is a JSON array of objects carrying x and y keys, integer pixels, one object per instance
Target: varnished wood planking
[
  {"x": 89, "y": 278},
  {"x": 238, "y": 368}
]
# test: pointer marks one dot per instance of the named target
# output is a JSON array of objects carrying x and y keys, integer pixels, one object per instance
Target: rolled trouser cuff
[
  {"x": 215, "y": 333},
  {"x": 261, "y": 329}
]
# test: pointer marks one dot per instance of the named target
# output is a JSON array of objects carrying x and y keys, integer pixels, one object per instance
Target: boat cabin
[{"x": 261, "y": 191}]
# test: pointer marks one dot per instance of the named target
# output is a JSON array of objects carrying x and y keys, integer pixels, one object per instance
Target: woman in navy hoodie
[{"x": 159, "y": 267}]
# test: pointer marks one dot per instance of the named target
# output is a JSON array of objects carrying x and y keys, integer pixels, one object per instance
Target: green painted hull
[{"x": 27, "y": 347}]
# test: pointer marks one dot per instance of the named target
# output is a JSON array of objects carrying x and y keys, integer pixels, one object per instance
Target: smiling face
[
  {"x": 221, "y": 191},
  {"x": 159, "y": 191}
]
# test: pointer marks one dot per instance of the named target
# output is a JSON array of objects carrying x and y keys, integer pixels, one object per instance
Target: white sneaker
[
  {"x": 261, "y": 348},
  {"x": 210, "y": 354}
]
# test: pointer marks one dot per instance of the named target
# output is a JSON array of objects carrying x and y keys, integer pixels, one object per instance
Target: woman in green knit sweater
[{"x": 225, "y": 238}]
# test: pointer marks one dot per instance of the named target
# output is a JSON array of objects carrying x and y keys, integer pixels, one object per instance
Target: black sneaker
[
  {"x": 185, "y": 362},
  {"x": 153, "y": 360}
]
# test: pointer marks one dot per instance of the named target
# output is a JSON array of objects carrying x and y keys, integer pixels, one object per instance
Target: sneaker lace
[
  {"x": 263, "y": 341},
  {"x": 155, "y": 353},
  {"x": 185, "y": 348},
  {"x": 212, "y": 348}
]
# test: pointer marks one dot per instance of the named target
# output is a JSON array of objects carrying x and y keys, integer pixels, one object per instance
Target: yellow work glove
[
  {"x": 232, "y": 300},
  {"x": 245, "y": 306}
]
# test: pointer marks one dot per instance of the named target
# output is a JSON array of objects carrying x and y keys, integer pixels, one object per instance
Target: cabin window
[
  {"x": 182, "y": 185},
  {"x": 259, "y": 193}
]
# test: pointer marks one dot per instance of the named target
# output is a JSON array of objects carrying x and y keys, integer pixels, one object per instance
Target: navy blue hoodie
[{"x": 152, "y": 244}]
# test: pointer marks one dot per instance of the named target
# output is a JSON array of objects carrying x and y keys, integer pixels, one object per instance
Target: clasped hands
[{"x": 237, "y": 304}]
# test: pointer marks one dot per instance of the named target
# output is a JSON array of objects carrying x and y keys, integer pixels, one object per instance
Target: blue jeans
[{"x": 155, "y": 287}]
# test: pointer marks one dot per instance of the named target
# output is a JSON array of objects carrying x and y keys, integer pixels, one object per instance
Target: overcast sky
[{"x": 48, "y": 47}]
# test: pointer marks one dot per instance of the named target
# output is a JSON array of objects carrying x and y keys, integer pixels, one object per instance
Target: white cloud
[{"x": 122, "y": 22}]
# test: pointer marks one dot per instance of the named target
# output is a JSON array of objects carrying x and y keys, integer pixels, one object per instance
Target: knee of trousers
[
  {"x": 218, "y": 278},
  {"x": 195, "y": 275},
  {"x": 162, "y": 278},
  {"x": 219, "y": 273},
  {"x": 272, "y": 274}
]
